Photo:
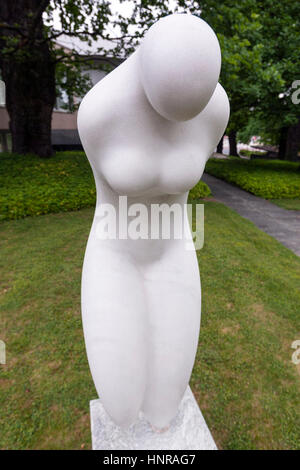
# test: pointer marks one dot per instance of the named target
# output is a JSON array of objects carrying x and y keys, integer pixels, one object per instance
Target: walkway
[{"x": 282, "y": 224}]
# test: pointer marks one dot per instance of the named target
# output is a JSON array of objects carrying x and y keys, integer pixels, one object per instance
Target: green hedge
[
  {"x": 33, "y": 186},
  {"x": 199, "y": 191},
  {"x": 273, "y": 179},
  {"x": 248, "y": 153}
]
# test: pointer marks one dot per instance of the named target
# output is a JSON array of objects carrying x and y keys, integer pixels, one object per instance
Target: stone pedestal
[{"x": 188, "y": 430}]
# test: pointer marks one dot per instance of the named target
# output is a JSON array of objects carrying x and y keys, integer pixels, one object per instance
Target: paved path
[{"x": 282, "y": 224}]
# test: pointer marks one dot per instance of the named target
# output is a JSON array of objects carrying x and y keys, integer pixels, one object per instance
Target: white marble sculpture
[{"x": 148, "y": 129}]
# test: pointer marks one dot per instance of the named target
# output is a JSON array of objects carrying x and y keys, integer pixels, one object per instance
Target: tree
[
  {"x": 259, "y": 39},
  {"x": 237, "y": 28},
  {"x": 260, "y": 42},
  {"x": 280, "y": 115},
  {"x": 31, "y": 61},
  {"x": 274, "y": 114},
  {"x": 220, "y": 145}
]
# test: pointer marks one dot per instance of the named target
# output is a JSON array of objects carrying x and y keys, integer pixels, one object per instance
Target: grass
[
  {"x": 270, "y": 179},
  {"x": 31, "y": 186},
  {"x": 243, "y": 378},
  {"x": 290, "y": 204}
]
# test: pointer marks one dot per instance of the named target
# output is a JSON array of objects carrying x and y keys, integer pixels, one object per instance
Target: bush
[
  {"x": 32, "y": 186},
  {"x": 199, "y": 191},
  {"x": 248, "y": 153},
  {"x": 275, "y": 179}
]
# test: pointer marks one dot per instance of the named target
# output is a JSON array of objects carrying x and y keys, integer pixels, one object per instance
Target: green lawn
[
  {"x": 243, "y": 378},
  {"x": 270, "y": 179}
]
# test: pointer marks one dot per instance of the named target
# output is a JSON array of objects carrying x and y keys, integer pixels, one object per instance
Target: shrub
[
  {"x": 248, "y": 153},
  {"x": 275, "y": 179},
  {"x": 32, "y": 186},
  {"x": 199, "y": 191}
]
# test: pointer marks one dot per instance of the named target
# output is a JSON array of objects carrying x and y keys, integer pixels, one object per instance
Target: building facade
[{"x": 64, "y": 134}]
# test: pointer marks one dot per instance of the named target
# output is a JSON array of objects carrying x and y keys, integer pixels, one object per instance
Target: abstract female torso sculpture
[{"x": 148, "y": 129}]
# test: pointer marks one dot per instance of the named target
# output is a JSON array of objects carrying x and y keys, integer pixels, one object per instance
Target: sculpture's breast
[
  {"x": 135, "y": 171},
  {"x": 181, "y": 169},
  {"x": 127, "y": 171}
]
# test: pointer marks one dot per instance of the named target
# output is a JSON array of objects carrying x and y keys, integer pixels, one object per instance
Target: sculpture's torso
[
  {"x": 136, "y": 150},
  {"x": 141, "y": 299}
]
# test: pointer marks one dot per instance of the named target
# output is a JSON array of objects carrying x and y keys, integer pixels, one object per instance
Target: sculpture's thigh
[
  {"x": 174, "y": 320},
  {"x": 113, "y": 310}
]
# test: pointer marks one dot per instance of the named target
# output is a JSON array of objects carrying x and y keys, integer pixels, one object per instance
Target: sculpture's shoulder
[
  {"x": 217, "y": 111},
  {"x": 214, "y": 119},
  {"x": 108, "y": 105},
  {"x": 97, "y": 108}
]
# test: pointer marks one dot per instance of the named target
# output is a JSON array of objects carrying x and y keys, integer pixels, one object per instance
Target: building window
[
  {"x": 2, "y": 93},
  {"x": 63, "y": 101}
]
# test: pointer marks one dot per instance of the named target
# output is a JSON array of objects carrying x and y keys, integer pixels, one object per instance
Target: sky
[{"x": 124, "y": 8}]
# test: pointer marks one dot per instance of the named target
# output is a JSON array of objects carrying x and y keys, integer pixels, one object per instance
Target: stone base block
[{"x": 187, "y": 431}]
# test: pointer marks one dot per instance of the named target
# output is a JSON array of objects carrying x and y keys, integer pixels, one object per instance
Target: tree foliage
[
  {"x": 260, "y": 42},
  {"x": 36, "y": 68}
]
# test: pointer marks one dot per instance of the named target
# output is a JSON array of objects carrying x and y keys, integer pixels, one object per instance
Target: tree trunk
[
  {"x": 282, "y": 143},
  {"x": 293, "y": 142},
  {"x": 3, "y": 140},
  {"x": 29, "y": 75},
  {"x": 220, "y": 145},
  {"x": 232, "y": 144}
]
